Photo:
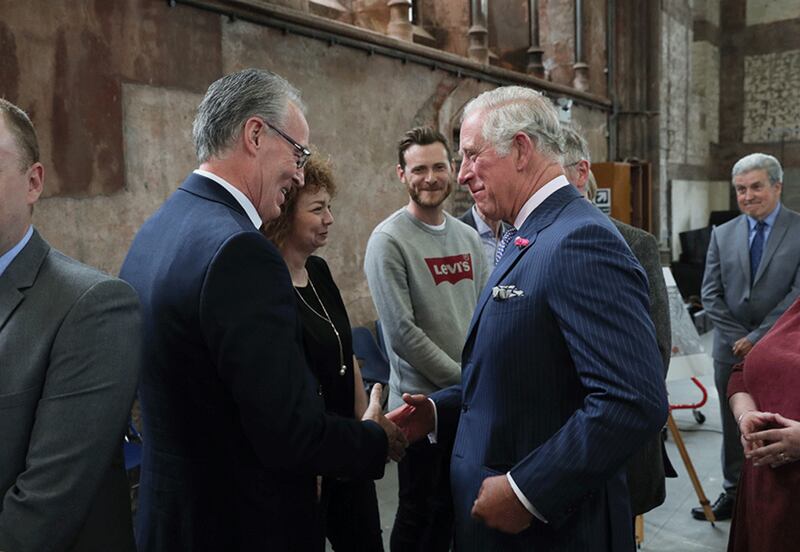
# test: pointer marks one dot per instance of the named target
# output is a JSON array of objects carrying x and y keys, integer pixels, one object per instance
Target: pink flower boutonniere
[{"x": 521, "y": 242}]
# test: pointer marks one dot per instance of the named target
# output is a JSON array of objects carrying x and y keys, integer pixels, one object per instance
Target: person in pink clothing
[{"x": 763, "y": 397}]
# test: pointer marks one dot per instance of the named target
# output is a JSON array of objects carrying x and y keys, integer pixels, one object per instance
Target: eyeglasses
[{"x": 302, "y": 152}]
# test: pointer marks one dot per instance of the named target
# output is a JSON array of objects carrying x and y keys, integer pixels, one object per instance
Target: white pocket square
[{"x": 501, "y": 293}]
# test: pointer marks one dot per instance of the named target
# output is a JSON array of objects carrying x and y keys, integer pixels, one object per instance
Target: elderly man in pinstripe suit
[{"x": 562, "y": 377}]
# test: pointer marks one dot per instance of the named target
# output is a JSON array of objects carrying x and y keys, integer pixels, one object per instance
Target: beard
[{"x": 431, "y": 199}]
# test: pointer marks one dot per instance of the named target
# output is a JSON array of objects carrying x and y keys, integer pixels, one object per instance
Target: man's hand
[
  {"x": 415, "y": 418},
  {"x": 499, "y": 508},
  {"x": 742, "y": 347},
  {"x": 374, "y": 412},
  {"x": 777, "y": 446}
]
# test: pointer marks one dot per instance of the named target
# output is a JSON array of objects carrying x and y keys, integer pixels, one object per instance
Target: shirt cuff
[
  {"x": 525, "y": 502},
  {"x": 432, "y": 436}
]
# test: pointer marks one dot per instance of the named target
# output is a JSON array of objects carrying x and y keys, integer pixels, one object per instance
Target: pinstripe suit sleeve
[
  {"x": 448, "y": 409},
  {"x": 597, "y": 293}
]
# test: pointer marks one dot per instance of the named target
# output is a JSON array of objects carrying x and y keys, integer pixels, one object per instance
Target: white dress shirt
[{"x": 237, "y": 194}]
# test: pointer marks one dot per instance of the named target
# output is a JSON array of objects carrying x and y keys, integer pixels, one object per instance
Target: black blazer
[{"x": 234, "y": 431}]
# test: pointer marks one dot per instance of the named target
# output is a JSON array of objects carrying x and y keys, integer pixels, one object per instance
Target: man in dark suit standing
[
  {"x": 752, "y": 276},
  {"x": 645, "y": 470},
  {"x": 235, "y": 431},
  {"x": 561, "y": 372},
  {"x": 69, "y": 360}
]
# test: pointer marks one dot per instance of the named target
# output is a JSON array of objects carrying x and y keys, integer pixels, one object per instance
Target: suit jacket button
[{"x": 464, "y": 407}]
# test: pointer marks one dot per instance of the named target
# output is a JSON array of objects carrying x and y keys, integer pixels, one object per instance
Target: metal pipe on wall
[
  {"x": 479, "y": 32},
  {"x": 535, "y": 52},
  {"x": 578, "y": 31},
  {"x": 611, "y": 78},
  {"x": 580, "y": 79}
]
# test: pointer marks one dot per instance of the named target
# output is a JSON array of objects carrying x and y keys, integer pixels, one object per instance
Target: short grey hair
[
  {"x": 759, "y": 162},
  {"x": 512, "y": 109},
  {"x": 575, "y": 147},
  {"x": 233, "y": 99}
]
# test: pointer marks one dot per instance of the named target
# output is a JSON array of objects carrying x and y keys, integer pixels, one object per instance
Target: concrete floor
[{"x": 669, "y": 528}]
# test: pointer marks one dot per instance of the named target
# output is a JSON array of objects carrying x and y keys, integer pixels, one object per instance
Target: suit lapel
[
  {"x": 743, "y": 236},
  {"x": 10, "y": 297},
  {"x": 542, "y": 217},
  {"x": 20, "y": 275},
  {"x": 208, "y": 189},
  {"x": 775, "y": 237}
]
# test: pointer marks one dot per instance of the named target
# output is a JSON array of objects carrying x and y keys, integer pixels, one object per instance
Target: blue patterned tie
[
  {"x": 756, "y": 249},
  {"x": 504, "y": 241}
]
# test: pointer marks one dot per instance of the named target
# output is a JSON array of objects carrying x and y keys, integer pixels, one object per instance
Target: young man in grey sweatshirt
[{"x": 425, "y": 270}]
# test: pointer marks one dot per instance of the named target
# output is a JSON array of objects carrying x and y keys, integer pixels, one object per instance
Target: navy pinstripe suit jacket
[{"x": 560, "y": 386}]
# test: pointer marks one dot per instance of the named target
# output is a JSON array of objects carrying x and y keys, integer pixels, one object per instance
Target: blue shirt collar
[
  {"x": 480, "y": 225},
  {"x": 769, "y": 220},
  {"x": 7, "y": 257}
]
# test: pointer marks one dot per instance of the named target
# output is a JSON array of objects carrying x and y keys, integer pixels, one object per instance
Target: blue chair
[
  {"x": 132, "y": 447},
  {"x": 374, "y": 366}
]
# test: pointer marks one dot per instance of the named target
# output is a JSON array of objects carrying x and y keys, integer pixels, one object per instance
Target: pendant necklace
[{"x": 327, "y": 319}]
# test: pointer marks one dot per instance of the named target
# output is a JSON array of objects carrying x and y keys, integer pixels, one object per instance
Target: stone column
[
  {"x": 580, "y": 80},
  {"x": 478, "y": 32},
  {"x": 535, "y": 66},
  {"x": 399, "y": 25}
]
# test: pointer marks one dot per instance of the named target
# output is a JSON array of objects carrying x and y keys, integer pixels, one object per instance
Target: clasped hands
[
  {"x": 769, "y": 439},
  {"x": 496, "y": 504}
]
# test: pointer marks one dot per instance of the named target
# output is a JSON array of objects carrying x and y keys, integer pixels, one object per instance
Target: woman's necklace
[{"x": 327, "y": 319}]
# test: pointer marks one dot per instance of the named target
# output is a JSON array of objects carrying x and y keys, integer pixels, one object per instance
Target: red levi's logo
[{"x": 450, "y": 269}]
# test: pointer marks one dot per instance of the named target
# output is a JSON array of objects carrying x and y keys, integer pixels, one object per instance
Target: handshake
[{"x": 403, "y": 425}]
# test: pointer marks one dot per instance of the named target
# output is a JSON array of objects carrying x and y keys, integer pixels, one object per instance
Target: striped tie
[{"x": 504, "y": 241}]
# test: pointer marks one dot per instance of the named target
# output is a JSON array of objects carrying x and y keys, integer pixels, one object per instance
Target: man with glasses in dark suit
[{"x": 234, "y": 430}]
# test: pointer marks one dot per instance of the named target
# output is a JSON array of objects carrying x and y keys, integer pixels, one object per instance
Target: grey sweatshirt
[{"x": 425, "y": 283}]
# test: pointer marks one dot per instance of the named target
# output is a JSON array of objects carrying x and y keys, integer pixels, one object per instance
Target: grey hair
[
  {"x": 575, "y": 147},
  {"x": 759, "y": 162},
  {"x": 512, "y": 109},
  {"x": 233, "y": 99}
]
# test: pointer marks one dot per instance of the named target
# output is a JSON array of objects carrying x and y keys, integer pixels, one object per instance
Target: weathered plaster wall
[
  {"x": 509, "y": 32},
  {"x": 772, "y": 97},
  {"x": 65, "y": 63},
  {"x": 557, "y": 21},
  {"x": 770, "y": 11},
  {"x": 448, "y": 22},
  {"x": 676, "y": 59},
  {"x": 112, "y": 88},
  {"x": 759, "y": 72}
]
